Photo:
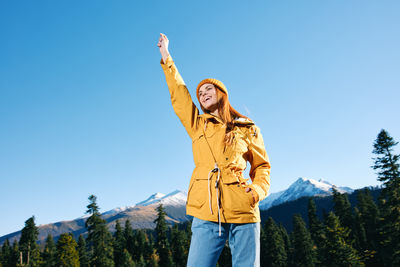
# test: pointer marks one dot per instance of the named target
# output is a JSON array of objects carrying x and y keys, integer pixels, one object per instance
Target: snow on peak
[
  {"x": 175, "y": 198},
  {"x": 300, "y": 188},
  {"x": 151, "y": 199},
  {"x": 117, "y": 210},
  {"x": 310, "y": 184}
]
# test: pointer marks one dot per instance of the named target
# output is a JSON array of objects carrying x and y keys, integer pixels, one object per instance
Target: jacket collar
[
  {"x": 239, "y": 121},
  {"x": 243, "y": 121}
]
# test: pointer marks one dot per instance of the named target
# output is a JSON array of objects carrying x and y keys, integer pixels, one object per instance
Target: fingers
[
  {"x": 163, "y": 36},
  {"x": 163, "y": 43},
  {"x": 160, "y": 41}
]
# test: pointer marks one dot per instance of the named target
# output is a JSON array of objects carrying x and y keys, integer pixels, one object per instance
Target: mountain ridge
[
  {"x": 142, "y": 214},
  {"x": 302, "y": 187}
]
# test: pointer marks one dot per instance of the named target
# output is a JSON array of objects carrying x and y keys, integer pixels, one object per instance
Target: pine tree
[
  {"x": 188, "y": 231},
  {"x": 99, "y": 238},
  {"x": 67, "y": 255},
  {"x": 119, "y": 246},
  {"x": 359, "y": 231},
  {"x": 82, "y": 251},
  {"x": 130, "y": 240},
  {"x": 140, "y": 244},
  {"x": 15, "y": 254},
  {"x": 149, "y": 253},
  {"x": 153, "y": 261},
  {"x": 316, "y": 228},
  {"x": 369, "y": 218},
  {"x": 338, "y": 251},
  {"x": 9, "y": 255},
  {"x": 387, "y": 165},
  {"x": 162, "y": 244},
  {"x": 272, "y": 245},
  {"x": 27, "y": 243},
  {"x": 141, "y": 262},
  {"x": 343, "y": 210},
  {"x": 178, "y": 246},
  {"x": 49, "y": 252},
  {"x": 303, "y": 253},
  {"x": 286, "y": 238},
  {"x": 126, "y": 260},
  {"x": 6, "y": 254}
]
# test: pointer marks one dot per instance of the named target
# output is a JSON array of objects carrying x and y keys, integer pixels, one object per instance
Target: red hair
[{"x": 226, "y": 113}]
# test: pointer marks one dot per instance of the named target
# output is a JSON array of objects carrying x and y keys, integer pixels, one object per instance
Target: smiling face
[{"x": 208, "y": 97}]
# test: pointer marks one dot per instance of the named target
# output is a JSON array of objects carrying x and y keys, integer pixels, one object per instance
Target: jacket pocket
[
  {"x": 198, "y": 193},
  {"x": 236, "y": 200}
]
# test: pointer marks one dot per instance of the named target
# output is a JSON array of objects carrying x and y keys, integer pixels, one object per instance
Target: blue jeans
[{"x": 206, "y": 245}]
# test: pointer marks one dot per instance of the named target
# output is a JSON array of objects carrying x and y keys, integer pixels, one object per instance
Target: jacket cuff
[{"x": 168, "y": 62}]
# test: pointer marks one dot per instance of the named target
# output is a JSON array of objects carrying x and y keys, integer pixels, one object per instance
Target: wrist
[{"x": 164, "y": 55}]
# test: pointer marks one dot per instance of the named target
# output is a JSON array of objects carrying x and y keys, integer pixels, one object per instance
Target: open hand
[{"x": 163, "y": 43}]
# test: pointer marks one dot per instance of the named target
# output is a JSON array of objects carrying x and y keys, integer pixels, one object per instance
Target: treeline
[
  {"x": 283, "y": 213},
  {"x": 366, "y": 234},
  {"x": 125, "y": 247}
]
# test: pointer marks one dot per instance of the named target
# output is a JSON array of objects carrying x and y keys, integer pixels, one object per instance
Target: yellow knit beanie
[{"x": 215, "y": 82}]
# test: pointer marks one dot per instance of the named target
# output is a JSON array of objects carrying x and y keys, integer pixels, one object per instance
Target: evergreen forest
[{"x": 364, "y": 231}]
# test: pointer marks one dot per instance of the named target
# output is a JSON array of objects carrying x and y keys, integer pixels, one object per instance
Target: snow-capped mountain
[
  {"x": 141, "y": 215},
  {"x": 176, "y": 198},
  {"x": 301, "y": 188}
]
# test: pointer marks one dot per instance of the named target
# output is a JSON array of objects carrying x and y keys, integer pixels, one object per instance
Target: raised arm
[{"x": 180, "y": 96}]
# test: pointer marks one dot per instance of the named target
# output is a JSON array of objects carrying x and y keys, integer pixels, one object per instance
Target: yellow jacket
[{"x": 207, "y": 133}]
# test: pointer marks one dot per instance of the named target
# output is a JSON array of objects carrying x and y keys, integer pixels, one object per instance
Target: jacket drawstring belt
[{"x": 218, "y": 171}]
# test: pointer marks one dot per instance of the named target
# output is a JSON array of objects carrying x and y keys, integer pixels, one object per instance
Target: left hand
[{"x": 249, "y": 190}]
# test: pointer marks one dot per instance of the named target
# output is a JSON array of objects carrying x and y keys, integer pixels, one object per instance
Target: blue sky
[{"x": 84, "y": 107}]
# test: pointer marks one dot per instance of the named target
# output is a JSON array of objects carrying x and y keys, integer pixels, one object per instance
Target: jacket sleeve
[
  {"x": 260, "y": 166},
  {"x": 180, "y": 96}
]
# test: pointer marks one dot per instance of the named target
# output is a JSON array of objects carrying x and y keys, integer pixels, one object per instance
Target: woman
[{"x": 221, "y": 201}]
